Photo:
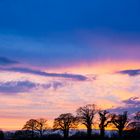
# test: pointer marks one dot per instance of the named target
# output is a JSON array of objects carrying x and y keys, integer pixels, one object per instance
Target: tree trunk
[
  {"x": 120, "y": 133},
  {"x": 102, "y": 132},
  {"x": 66, "y": 133},
  {"x": 89, "y": 131}
]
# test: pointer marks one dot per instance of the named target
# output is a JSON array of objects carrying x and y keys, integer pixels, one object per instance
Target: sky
[{"x": 58, "y": 55}]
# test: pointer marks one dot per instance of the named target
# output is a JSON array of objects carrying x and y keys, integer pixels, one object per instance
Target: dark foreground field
[
  {"x": 79, "y": 136},
  {"x": 19, "y": 135},
  {"x": 92, "y": 138}
]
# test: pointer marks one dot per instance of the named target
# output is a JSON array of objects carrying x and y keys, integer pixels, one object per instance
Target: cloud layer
[
  {"x": 16, "y": 86},
  {"x": 130, "y": 72},
  {"x": 77, "y": 77}
]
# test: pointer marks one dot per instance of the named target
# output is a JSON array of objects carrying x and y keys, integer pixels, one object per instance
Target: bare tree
[
  {"x": 64, "y": 123},
  {"x": 41, "y": 126},
  {"x": 86, "y": 115},
  {"x": 31, "y": 125},
  {"x": 105, "y": 118},
  {"x": 120, "y": 121}
]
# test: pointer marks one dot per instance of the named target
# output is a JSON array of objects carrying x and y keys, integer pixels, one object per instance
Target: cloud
[
  {"x": 16, "y": 86},
  {"x": 132, "y": 105},
  {"x": 54, "y": 85},
  {"x": 77, "y": 77},
  {"x": 7, "y": 61},
  {"x": 130, "y": 72},
  {"x": 26, "y": 86},
  {"x": 134, "y": 101}
]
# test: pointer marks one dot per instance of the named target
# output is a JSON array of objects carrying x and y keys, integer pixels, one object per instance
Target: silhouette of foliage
[
  {"x": 64, "y": 123},
  {"x": 86, "y": 115},
  {"x": 120, "y": 121},
  {"x": 19, "y": 134},
  {"x": 31, "y": 125},
  {"x": 8, "y": 135},
  {"x": 42, "y": 126},
  {"x": 36, "y": 128},
  {"x": 105, "y": 119},
  {"x": 1, "y": 134}
]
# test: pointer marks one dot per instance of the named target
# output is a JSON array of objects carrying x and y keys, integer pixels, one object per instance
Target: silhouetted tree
[
  {"x": 41, "y": 126},
  {"x": 31, "y": 125},
  {"x": 64, "y": 123},
  {"x": 105, "y": 118},
  {"x": 86, "y": 115},
  {"x": 1, "y": 134},
  {"x": 120, "y": 121}
]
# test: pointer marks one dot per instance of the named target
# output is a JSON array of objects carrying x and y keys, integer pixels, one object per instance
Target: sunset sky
[{"x": 58, "y": 55}]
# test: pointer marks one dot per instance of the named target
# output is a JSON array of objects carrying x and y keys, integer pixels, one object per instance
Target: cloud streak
[
  {"x": 130, "y": 72},
  {"x": 16, "y": 86},
  {"x": 6, "y": 61},
  {"x": 77, "y": 77},
  {"x": 13, "y": 87},
  {"x": 134, "y": 101}
]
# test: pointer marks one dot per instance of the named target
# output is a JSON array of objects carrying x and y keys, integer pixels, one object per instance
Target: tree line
[{"x": 85, "y": 115}]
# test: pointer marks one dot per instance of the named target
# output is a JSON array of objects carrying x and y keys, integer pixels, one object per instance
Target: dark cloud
[
  {"x": 57, "y": 85},
  {"x": 130, "y": 72},
  {"x": 132, "y": 105},
  {"x": 7, "y": 61},
  {"x": 16, "y": 86},
  {"x": 54, "y": 85},
  {"x": 26, "y": 86},
  {"x": 41, "y": 73},
  {"x": 132, "y": 101}
]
